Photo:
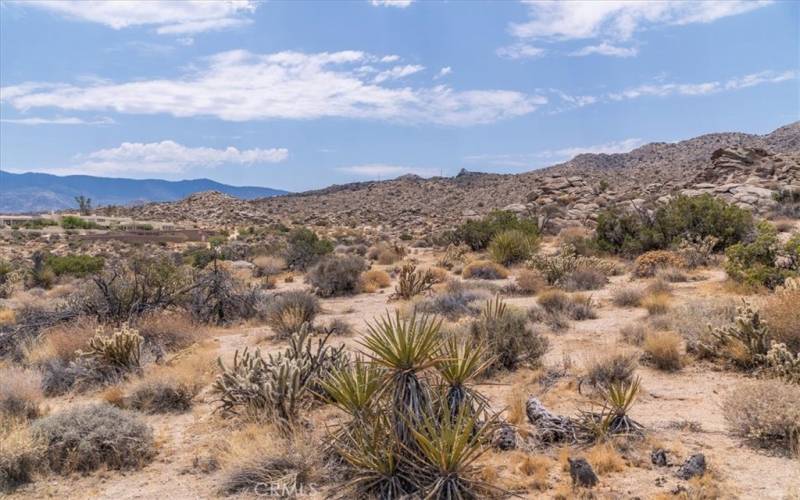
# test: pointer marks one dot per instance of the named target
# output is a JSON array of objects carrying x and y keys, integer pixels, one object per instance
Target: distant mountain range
[{"x": 34, "y": 192}]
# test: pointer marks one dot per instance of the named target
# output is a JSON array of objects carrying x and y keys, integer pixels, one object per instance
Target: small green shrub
[
  {"x": 479, "y": 233},
  {"x": 305, "y": 248},
  {"x": 512, "y": 246},
  {"x": 75, "y": 222},
  {"x": 764, "y": 261},
  {"x": 288, "y": 312},
  {"x": 75, "y": 265}
]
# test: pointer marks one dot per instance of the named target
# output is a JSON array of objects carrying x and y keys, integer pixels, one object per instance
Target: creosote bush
[
  {"x": 289, "y": 311},
  {"x": 336, "y": 275},
  {"x": 477, "y": 234},
  {"x": 766, "y": 413},
  {"x": 305, "y": 248},
  {"x": 84, "y": 438}
]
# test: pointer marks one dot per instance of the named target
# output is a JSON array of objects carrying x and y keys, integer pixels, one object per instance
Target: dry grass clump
[
  {"x": 605, "y": 458},
  {"x": 627, "y": 296},
  {"x": 62, "y": 342},
  {"x": 289, "y": 311},
  {"x": 484, "y": 270},
  {"x": 558, "y": 307},
  {"x": 7, "y": 316},
  {"x": 84, "y": 438},
  {"x": 612, "y": 367},
  {"x": 374, "y": 279},
  {"x": 634, "y": 333},
  {"x": 780, "y": 312},
  {"x": 20, "y": 454},
  {"x": 657, "y": 303},
  {"x": 672, "y": 275},
  {"x": 336, "y": 275},
  {"x": 530, "y": 282},
  {"x": 268, "y": 266},
  {"x": 663, "y": 350},
  {"x": 20, "y": 393},
  {"x": 172, "y": 388},
  {"x": 386, "y": 253},
  {"x": 765, "y": 412},
  {"x": 535, "y": 468},
  {"x": 649, "y": 263},
  {"x": 170, "y": 331},
  {"x": 658, "y": 286},
  {"x": 260, "y": 461},
  {"x": 457, "y": 300}
]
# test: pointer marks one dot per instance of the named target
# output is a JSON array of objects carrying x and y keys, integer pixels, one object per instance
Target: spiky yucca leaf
[
  {"x": 612, "y": 418},
  {"x": 459, "y": 362},
  {"x": 354, "y": 388},
  {"x": 494, "y": 309},
  {"x": 442, "y": 465}
]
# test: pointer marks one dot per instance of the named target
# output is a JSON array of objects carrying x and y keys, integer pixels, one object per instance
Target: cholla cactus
[
  {"x": 555, "y": 268},
  {"x": 697, "y": 252},
  {"x": 782, "y": 363},
  {"x": 789, "y": 285},
  {"x": 746, "y": 342},
  {"x": 411, "y": 282},
  {"x": 121, "y": 350},
  {"x": 649, "y": 263}
]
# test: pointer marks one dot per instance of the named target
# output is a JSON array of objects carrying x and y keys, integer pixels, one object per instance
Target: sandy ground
[{"x": 693, "y": 394}]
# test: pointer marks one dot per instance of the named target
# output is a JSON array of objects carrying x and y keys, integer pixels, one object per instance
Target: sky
[{"x": 299, "y": 95}]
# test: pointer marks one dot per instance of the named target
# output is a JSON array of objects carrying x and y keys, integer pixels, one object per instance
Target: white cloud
[
  {"x": 168, "y": 16},
  {"x": 397, "y": 72},
  {"x": 606, "y": 49},
  {"x": 400, "y": 4},
  {"x": 622, "y": 146},
  {"x": 443, "y": 72},
  {"x": 520, "y": 51},
  {"x": 705, "y": 88},
  {"x": 385, "y": 171},
  {"x": 241, "y": 86},
  {"x": 551, "y": 156},
  {"x": 59, "y": 120},
  {"x": 620, "y": 19},
  {"x": 165, "y": 157}
]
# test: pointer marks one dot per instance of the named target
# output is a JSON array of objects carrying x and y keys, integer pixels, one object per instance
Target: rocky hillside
[{"x": 743, "y": 168}]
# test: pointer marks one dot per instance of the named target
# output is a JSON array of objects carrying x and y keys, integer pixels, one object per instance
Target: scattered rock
[
  {"x": 659, "y": 457},
  {"x": 693, "y": 467},
  {"x": 581, "y": 472},
  {"x": 505, "y": 437}
]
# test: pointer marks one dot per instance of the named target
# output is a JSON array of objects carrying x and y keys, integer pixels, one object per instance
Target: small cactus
[{"x": 122, "y": 350}]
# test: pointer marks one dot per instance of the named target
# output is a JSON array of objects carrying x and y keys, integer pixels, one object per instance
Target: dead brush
[{"x": 21, "y": 454}]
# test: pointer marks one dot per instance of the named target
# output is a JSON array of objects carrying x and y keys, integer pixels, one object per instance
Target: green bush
[
  {"x": 75, "y": 265},
  {"x": 200, "y": 257},
  {"x": 337, "y": 275},
  {"x": 696, "y": 217},
  {"x": 305, "y": 248},
  {"x": 75, "y": 222},
  {"x": 764, "y": 261},
  {"x": 512, "y": 246},
  {"x": 479, "y": 233}
]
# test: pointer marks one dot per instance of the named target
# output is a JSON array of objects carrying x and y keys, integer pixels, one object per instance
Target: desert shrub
[
  {"x": 338, "y": 326},
  {"x": 633, "y": 333},
  {"x": 453, "y": 254},
  {"x": 289, "y": 311},
  {"x": 745, "y": 342},
  {"x": 780, "y": 313},
  {"x": 764, "y": 261},
  {"x": 374, "y": 279},
  {"x": 697, "y": 217},
  {"x": 75, "y": 265},
  {"x": 61, "y": 342},
  {"x": 788, "y": 202},
  {"x": 555, "y": 268},
  {"x": 266, "y": 266},
  {"x": 169, "y": 331},
  {"x": 672, "y": 275},
  {"x": 556, "y": 303},
  {"x": 386, "y": 253},
  {"x": 201, "y": 257},
  {"x": 693, "y": 319},
  {"x": 663, "y": 350},
  {"x": 512, "y": 246},
  {"x": 477, "y": 234},
  {"x": 613, "y": 367},
  {"x": 20, "y": 393},
  {"x": 40, "y": 274},
  {"x": 579, "y": 239},
  {"x": 647, "y": 264},
  {"x": 627, "y": 296},
  {"x": 6, "y": 278},
  {"x": 411, "y": 282},
  {"x": 171, "y": 388},
  {"x": 530, "y": 282},
  {"x": 84, "y": 438},
  {"x": 656, "y": 303},
  {"x": 75, "y": 222},
  {"x": 108, "y": 358},
  {"x": 305, "y": 248},
  {"x": 510, "y": 340},
  {"x": 336, "y": 275},
  {"x": 766, "y": 413},
  {"x": 584, "y": 279},
  {"x": 455, "y": 301},
  {"x": 217, "y": 297},
  {"x": 697, "y": 252},
  {"x": 581, "y": 307},
  {"x": 484, "y": 270},
  {"x": 20, "y": 454}
]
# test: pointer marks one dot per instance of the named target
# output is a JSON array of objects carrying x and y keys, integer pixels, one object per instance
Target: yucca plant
[
  {"x": 494, "y": 309},
  {"x": 460, "y": 362},
  {"x": 612, "y": 419},
  {"x": 405, "y": 347},
  {"x": 442, "y": 464},
  {"x": 355, "y": 388},
  {"x": 371, "y": 452}
]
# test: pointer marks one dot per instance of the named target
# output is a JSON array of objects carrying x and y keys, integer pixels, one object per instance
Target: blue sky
[{"x": 300, "y": 95}]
